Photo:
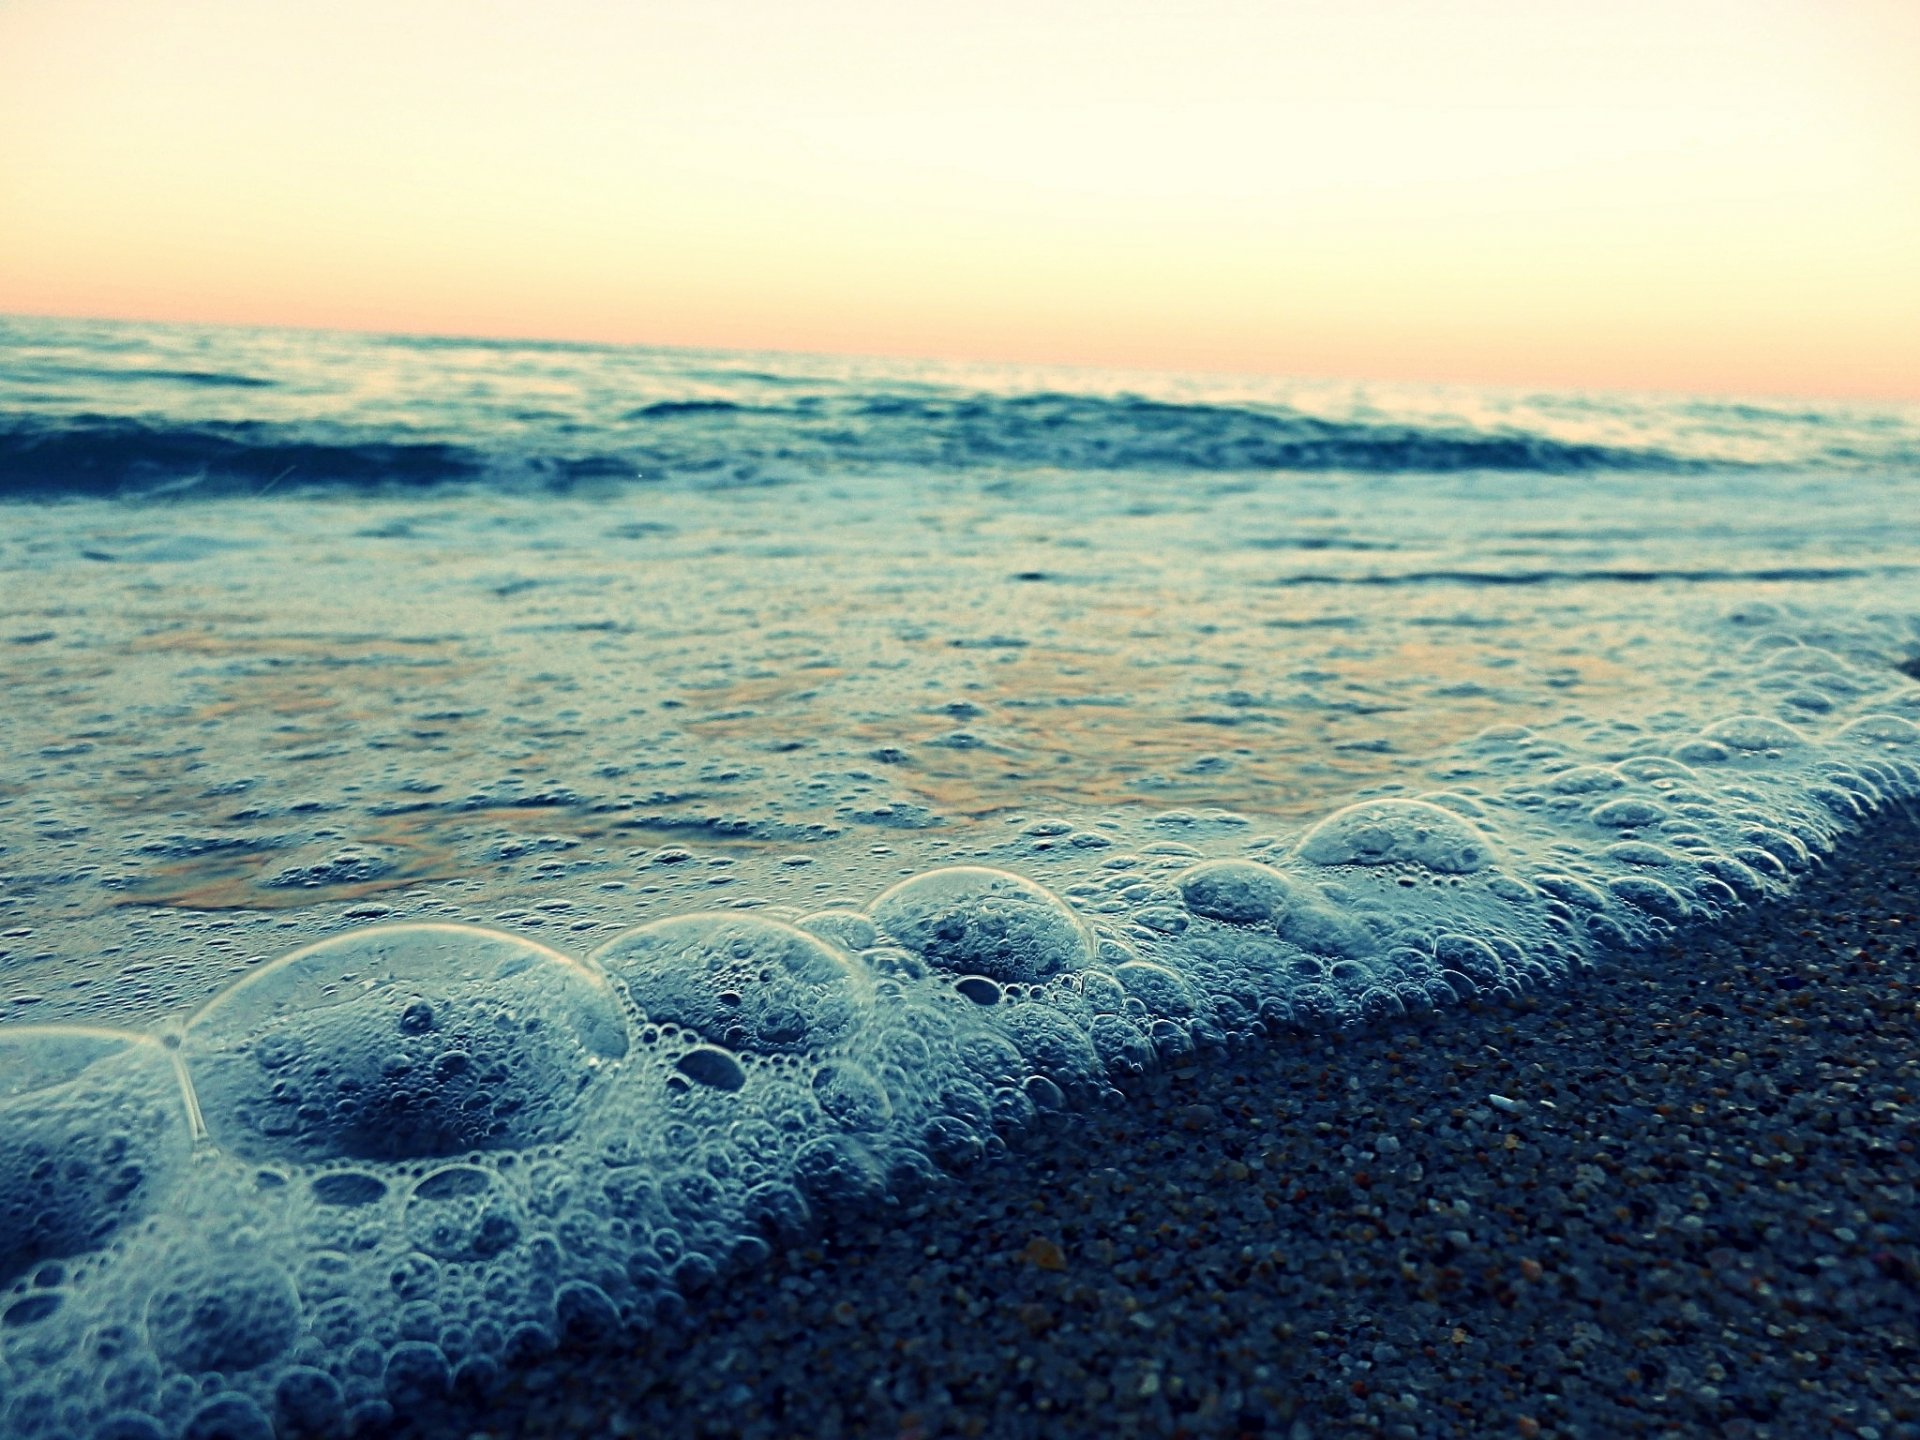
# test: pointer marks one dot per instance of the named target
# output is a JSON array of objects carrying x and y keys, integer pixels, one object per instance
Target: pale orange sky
[{"x": 1718, "y": 195}]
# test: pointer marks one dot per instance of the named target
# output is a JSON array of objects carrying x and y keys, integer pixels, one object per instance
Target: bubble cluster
[
  {"x": 1238, "y": 892},
  {"x": 739, "y": 981},
  {"x": 94, "y": 1133},
  {"x": 1397, "y": 832},
  {"x": 402, "y": 1041},
  {"x": 389, "y": 1163},
  {"x": 973, "y": 920}
]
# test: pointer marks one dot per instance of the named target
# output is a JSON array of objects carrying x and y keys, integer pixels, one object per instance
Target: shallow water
[{"x": 1007, "y": 726}]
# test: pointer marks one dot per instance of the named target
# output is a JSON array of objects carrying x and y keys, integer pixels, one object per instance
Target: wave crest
[{"x": 708, "y": 442}]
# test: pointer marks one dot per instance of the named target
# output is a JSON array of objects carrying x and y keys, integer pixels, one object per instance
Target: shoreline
[{"x": 1675, "y": 1196}]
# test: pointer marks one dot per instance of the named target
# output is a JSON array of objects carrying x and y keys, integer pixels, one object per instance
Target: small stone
[
  {"x": 1037, "y": 1318},
  {"x": 1044, "y": 1255}
]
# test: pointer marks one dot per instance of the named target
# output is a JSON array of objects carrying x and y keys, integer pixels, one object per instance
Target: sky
[{"x": 1703, "y": 195}]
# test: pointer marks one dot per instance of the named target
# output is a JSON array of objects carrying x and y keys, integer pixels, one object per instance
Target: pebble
[{"x": 1044, "y": 1255}]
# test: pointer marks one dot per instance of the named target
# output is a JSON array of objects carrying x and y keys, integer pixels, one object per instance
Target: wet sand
[{"x": 1675, "y": 1197}]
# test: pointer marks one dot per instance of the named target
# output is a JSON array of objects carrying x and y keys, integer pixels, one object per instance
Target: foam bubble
[
  {"x": 711, "y": 1066},
  {"x": 229, "y": 1416},
  {"x": 223, "y": 1313},
  {"x": 94, "y": 1131},
  {"x": 1654, "y": 896},
  {"x": 1122, "y": 1046},
  {"x": 1398, "y": 832},
  {"x": 1805, "y": 659},
  {"x": 1889, "y": 730},
  {"x": 974, "y": 920},
  {"x": 463, "y": 1212},
  {"x": 1754, "y": 733},
  {"x": 850, "y": 1097},
  {"x": 1629, "y": 814},
  {"x": 1238, "y": 892},
  {"x": 848, "y": 929},
  {"x": 1162, "y": 992},
  {"x": 1323, "y": 930},
  {"x": 839, "y": 1169},
  {"x": 1585, "y": 780},
  {"x": 1052, "y": 1044},
  {"x": 403, "y": 1041},
  {"x": 308, "y": 1401},
  {"x": 742, "y": 982}
]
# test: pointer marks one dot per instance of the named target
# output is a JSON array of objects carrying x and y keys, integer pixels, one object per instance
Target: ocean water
[{"x": 495, "y": 836}]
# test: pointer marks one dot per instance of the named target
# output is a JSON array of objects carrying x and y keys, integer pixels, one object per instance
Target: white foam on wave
[{"x": 390, "y": 1162}]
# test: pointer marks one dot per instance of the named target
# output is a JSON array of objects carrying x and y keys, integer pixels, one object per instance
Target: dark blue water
[{"x": 89, "y": 408}]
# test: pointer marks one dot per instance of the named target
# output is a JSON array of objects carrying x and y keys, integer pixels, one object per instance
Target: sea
[{"x": 497, "y": 837}]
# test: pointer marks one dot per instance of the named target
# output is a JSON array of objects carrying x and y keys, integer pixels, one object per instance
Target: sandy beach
[{"x": 1674, "y": 1197}]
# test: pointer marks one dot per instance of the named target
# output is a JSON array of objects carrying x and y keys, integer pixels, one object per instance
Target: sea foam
[{"x": 388, "y": 1163}]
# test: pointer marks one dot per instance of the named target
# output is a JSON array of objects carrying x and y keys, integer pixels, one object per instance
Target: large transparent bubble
[
  {"x": 93, "y": 1130},
  {"x": 1398, "y": 832},
  {"x": 1245, "y": 893},
  {"x": 403, "y": 1041},
  {"x": 972, "y": 920},
  {"x": 1885, "y": 730},
  {"x": 1236, "y": 892},
  {"x": 1753, "y": 733},
  {"x": 740, "y": 981}
]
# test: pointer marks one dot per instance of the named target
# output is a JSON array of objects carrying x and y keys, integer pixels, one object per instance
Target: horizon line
[{"x": 1874, "y": 398}]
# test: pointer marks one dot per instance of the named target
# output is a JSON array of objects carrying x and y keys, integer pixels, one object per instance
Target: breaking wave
[{"x": 725, "y": 442}]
